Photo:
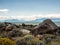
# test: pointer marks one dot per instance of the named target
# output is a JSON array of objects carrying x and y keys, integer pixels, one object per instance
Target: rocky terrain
[{"x": 23, "y": 34}]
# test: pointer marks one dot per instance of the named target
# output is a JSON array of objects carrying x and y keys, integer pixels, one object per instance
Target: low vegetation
[
  {"x": 6, "y": 41},
  {"x": 29, "y": 40}
]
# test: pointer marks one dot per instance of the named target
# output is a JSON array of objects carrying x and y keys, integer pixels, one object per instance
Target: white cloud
[
  {"x": 31, "y": 17},
  {"x": 4, "y": 10}
]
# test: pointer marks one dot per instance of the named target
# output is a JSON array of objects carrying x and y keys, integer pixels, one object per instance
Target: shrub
[
  {"x": 6, "y": 41},
  {"x": 23, "y": 24},
  {"x": 28, "y": 40},
  {"x": 14, "y": 33}
]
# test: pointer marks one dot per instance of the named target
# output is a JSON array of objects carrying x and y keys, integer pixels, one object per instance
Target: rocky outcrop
[
  {"x": 47, "y": 26},
  {"x": 7, "y": 26}
]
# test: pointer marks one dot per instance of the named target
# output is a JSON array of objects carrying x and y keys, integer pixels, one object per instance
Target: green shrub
[
  {"x": 6, "y": 41},
  {"x": 28, "y": 40}
]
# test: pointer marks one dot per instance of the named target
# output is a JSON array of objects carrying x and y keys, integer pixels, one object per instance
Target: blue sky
[{"x": 29, "y": 8}]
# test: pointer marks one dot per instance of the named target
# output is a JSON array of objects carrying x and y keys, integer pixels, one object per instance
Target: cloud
[
  {"x": 4, "y": 10},
  {"x": 30, "y": 17}
]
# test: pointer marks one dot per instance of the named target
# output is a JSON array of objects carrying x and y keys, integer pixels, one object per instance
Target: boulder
[
  {"x": 25, "y": 31},
  {"x": 46, "y": 26}
]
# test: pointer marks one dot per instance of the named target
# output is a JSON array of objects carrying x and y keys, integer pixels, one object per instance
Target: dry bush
[
  {"x": 29, "y": 40},
  {"x": 6, "y": 41}
]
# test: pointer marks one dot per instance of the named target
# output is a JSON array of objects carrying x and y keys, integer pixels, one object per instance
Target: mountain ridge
[{"x": 36, "y": 20}]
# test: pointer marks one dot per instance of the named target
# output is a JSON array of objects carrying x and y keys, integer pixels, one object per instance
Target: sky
[{"x": 29, "y": 9}]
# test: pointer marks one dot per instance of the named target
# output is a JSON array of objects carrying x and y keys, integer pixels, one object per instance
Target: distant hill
[
  {"x": 39, "y": 20},
  {"x": 13, "y": 20},
  {"x": 42, "y": 19},
  {"x": 32, "y": 21},
  {"x": 55, "y": 19}
]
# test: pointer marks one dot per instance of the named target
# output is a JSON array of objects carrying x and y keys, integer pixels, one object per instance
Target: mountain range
[{"x": 36, "y": 20}]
